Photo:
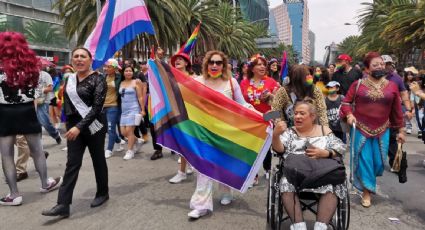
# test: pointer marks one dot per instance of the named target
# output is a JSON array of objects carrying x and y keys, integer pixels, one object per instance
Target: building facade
[
  {"x": 312, "y": 40},
  {"x": 299, "y": 19},
  {"x": 40, "y": 25},
  {"x": 279, "y": 16}
]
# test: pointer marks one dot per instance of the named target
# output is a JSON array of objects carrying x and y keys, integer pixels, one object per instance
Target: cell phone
[
  {"x": 271, "y": 115},
  {"x": 308, "y": 145}
]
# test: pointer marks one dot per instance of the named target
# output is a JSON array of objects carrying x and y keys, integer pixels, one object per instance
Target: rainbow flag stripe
[
  {"x": 220, "y": 138},
  {"x": 190, "y": 43}
]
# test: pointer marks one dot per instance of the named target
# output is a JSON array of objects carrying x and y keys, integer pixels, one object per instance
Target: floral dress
[{"x": 296, "y": 145}]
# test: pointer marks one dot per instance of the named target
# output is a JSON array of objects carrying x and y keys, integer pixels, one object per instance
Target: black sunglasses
[{"x": 212, "y": 62}]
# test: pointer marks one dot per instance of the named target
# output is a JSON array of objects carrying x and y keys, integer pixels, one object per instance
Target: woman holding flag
[
  {"x": 258, "y": 90},
  {"x": 216, "y": 77}
]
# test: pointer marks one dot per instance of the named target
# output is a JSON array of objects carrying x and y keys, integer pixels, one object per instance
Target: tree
[
  {"x": 349, "y": 46},
  {"x": 43, "y": 33}
]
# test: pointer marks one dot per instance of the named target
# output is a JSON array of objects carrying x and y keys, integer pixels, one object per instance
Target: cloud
[{"x": 327, "y": 18}]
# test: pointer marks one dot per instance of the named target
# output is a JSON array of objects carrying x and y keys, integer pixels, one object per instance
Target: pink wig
[{"x": 18, "y": 61}]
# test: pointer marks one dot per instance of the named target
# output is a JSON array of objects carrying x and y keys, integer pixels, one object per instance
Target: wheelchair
[{"x": 275, "y": 210}]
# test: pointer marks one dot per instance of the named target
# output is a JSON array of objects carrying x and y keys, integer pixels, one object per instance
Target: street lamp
[{"x": 98, "y": 8}]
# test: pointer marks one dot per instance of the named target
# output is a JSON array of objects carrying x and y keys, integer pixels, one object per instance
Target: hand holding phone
[{"x": 272, "y": 115}]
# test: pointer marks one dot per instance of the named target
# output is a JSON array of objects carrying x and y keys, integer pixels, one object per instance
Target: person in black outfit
[
  {"x": 345, "y": 74},
  {"x": 83, "y": 131}
]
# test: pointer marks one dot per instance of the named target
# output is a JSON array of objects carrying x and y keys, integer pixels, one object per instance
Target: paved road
[{"x": 141, "y": 198}]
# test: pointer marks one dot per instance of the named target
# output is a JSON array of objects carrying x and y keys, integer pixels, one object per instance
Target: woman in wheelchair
[{"x": 315, "y": 141}]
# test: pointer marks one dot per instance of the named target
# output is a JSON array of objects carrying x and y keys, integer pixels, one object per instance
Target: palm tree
[
  {"x": 349, "y": 46},
  {"x": 43, "y": 33}
]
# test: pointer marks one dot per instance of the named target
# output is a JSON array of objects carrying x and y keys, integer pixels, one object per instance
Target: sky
[{"x": 327, "y": 18}]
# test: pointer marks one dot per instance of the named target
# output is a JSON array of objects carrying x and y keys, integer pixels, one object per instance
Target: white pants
[{"x": 202, "y": 198}]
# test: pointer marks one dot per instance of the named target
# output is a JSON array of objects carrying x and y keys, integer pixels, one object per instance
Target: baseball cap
[
  {"x": 345, "y": 57},
  {"x": 332, "y": 84},
  {"x": 387, "y": 58},
  {"x": 411, "y": 69}
]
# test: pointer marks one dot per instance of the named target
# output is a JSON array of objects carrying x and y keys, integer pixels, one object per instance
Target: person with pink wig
[{"x": 19, "y": 80}]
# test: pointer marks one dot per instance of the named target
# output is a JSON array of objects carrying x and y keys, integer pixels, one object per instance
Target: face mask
[
  {"x": 377, "y": 74},
  {"x": 317, "y": 75},
  {"x": 331, "y": 92},
  {"x": 339, "y": 67},
  {"x": 215, "y": 74},
  {"x": 308, "y": 80}
]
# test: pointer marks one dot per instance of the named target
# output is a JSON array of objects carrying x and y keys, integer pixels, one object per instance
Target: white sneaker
[
  {"x": 120, "y": 146},
  {"x": 189, "y": 169},
  {"x": 409, "y": 131},
  {"x": 179, "y": 177},
  {"x": 8, "y": 201},
  {"x": 179, "y": 160},
  {"x": 108, "y": 154},
  {"x": 140, "y": 141},
  {"x": 226, "y": 199},
  {"x": 128, "y": 155},
  {"x": 267, "y": 175},
  {"x": 65, "y": 149},
  {"x": 52, "y": 184},
  {"x": 197, "y": 213}
]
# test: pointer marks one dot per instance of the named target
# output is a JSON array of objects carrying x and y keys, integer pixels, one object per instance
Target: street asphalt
[{"x": 142, "y": 198}]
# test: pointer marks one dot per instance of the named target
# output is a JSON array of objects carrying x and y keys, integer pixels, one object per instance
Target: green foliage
[{"x": 42, "y": 33}]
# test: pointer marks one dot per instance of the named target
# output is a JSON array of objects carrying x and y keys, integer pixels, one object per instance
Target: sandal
[
  {"x": 156, "y": 155},
  {"x": 366, "y": 203}
]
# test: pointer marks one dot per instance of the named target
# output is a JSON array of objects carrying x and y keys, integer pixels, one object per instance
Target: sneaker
[
  {"x": 128, "y": 155},
  {"x": 419, "y": 134},
  {"x": 65, "y": 149},
  {"x": 58, "y": 140},
  {"x": 189, "y": 169},
  {"x": 52, "y": 184},
  {"x": 195, "y": 214},
  {"x": 9, "y": 201},
  {"x": 267, "y": 174},
  {"x": 108, "y": 154},
  {"x": 21, "y": 176},
  {"x": 120, "y": 146},
  {"x": 409, "y": 131},
  {"x": 226, "y": 199},
  {"x": 140, "y": 141},
  {"x": 179, "y": 177}
]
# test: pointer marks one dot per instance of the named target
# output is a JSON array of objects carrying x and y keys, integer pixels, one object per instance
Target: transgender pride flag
[{"x": 118, "y": 24}]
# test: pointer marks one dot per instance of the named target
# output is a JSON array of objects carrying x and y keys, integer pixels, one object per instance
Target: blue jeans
[
  {"x": 112, "y": 116},
  {"x": 44, "y": 119}
]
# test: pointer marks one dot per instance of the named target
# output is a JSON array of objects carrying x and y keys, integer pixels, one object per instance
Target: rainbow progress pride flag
[
  {"x": 220, "y": 138},
  {"x": 118, "y": 24}
]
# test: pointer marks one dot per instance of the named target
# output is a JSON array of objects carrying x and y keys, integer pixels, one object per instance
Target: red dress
[
  {"x": 252, "y": 93},
  {"x": 377, "y": 107}
]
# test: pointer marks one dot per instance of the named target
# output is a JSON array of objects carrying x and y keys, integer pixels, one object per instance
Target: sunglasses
[{"x": 212, "y": 62}]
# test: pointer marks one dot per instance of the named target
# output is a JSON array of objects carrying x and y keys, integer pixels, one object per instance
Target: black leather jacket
[{"x": 92, "y": 90}]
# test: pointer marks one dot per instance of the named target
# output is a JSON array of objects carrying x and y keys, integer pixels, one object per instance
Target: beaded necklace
[{"x": 254, "y": 92}]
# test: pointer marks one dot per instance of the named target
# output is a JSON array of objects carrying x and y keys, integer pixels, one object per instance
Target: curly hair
[
  {"x": 226, "y": 74},
  {"x": 19, "y": 62},
  {"x": 253, "y": 63}
]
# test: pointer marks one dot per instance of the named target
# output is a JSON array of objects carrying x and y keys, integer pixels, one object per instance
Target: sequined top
[
  {"x": 17, "y": 96},
  {"x": 378, "y": 106},
  {"x": 282, "y": 102},
  {"x": 92, "y": 91}
]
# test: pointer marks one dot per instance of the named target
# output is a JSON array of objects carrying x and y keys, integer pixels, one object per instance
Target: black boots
[{"x": 58, "y": 210}]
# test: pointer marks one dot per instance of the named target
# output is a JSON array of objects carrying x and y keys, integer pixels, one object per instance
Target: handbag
[
  {"x": 400, "y": 164},
  {"x": 305, "y": 172},
  {"x": 344, "y": 125}
]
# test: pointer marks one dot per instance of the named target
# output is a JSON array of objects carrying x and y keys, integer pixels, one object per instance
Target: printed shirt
[{"x": 253, "y": 93}]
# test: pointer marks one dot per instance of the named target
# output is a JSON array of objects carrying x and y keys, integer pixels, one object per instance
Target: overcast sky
[{"x": 327, "y": 18}]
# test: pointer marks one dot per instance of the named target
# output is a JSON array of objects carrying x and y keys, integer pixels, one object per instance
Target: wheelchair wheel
[
  {"x": 342, "y": 217},
  {"x": 271, "y": 192},
  {"x": 278, "y": 206}
]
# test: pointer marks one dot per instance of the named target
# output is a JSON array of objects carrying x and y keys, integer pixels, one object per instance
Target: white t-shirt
[{"x": 44, "y": 81}]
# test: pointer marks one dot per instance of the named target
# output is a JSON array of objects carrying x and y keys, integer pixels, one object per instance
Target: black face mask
[{"x": 377, "y": 74}]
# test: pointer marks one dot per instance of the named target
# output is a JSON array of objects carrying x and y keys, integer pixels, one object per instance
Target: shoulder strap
[
  {"x": 323, "y": 130},
  {"x": 355, "y": 94},
  {"x": 233, "y": 90}
]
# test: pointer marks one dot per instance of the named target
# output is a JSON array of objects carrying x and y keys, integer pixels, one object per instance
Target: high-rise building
[
  {"x": 279, "y": 16},
  {"x": 299, "y": 18},
  {"x": 312, "y": 40},
  {"x": 41, "y": 26},
  {"x": 254, "y": 10}
]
